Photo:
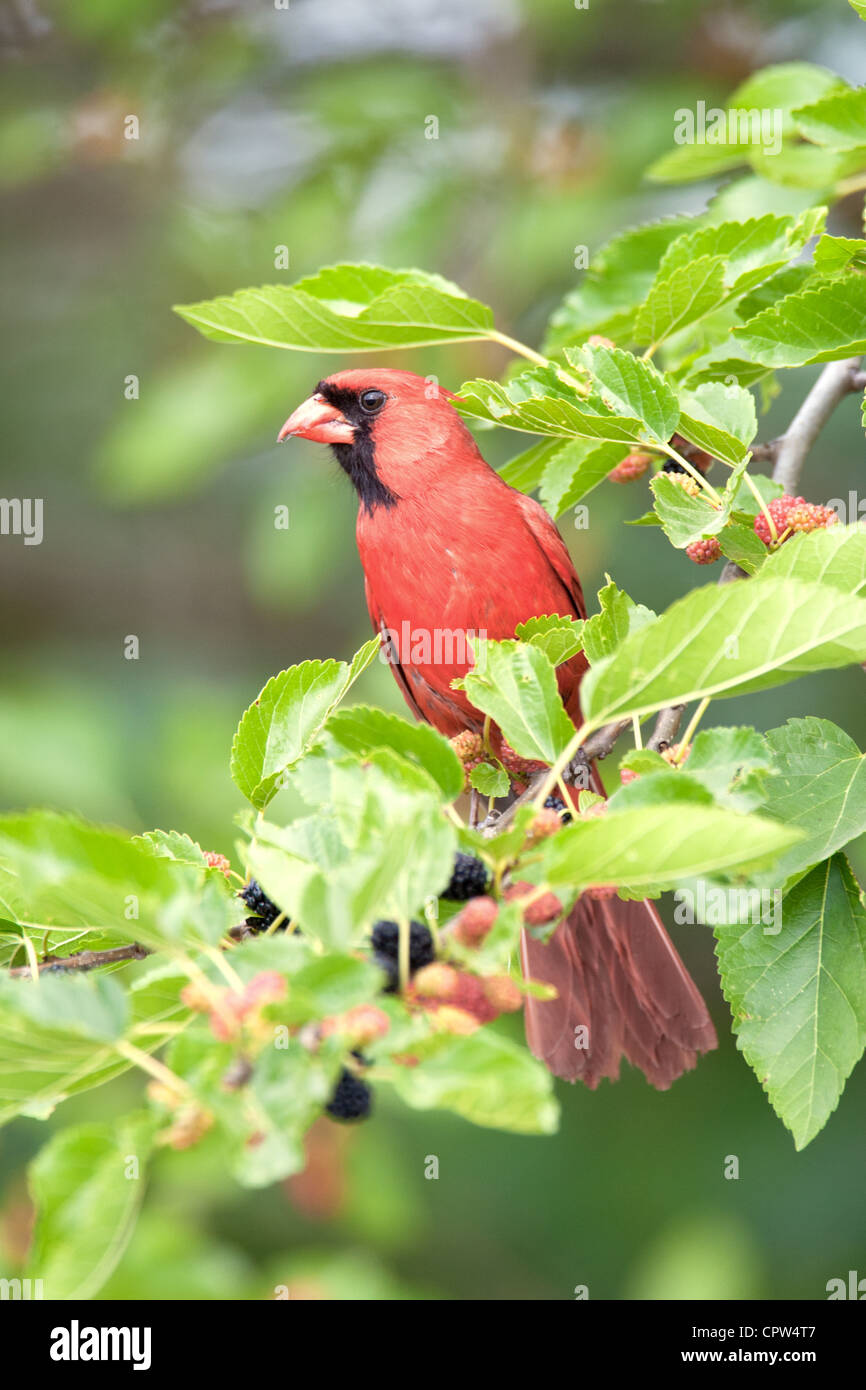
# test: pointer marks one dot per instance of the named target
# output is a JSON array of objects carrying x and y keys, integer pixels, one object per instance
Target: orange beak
[{"x": 318, "y": 420}]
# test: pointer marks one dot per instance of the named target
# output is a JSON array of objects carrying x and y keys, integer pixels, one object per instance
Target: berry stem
[
  {"x": 751, "y": 485},
  {"x": 635, "y": 724},
  {"x": 695, "y": 473},
  {"x": 403, "y": 962},
  {"x": 521, "y": 349},
  {"x": 517, "y": 347},
  {"x": 275, "y": 925},
  {"x": 158, "y": 1070},
  {"x": 227, "y": 971},
  {"x": 690, "y": 728}
]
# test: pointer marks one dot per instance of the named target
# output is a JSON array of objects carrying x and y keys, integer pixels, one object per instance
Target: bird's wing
[
  {"x": 545, "y": 531},
  {"x": 378, "y": 620}
]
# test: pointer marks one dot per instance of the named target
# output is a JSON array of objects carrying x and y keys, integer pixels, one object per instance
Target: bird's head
[{"x": 387, "y": 429}]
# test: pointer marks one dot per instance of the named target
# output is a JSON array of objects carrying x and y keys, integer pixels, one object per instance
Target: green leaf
[
  {"x": 798, "y": 996},
  {"x": 515, "y": 684},
  {"x": 835, "y": 253},
  {"x": 345, "y": 308},
  {"x": 618, "y": 616},
  {"x": 95, "y": 1008},
  {"x": 652, "y": 848},
  {"x": 786, "y": 86},
  {"x": 286, "y": 719},
  {"x": 838, "y": 119},
  {"x": 362, "y": 729},
  {"x": 536, "y": 402},
  {"x": 525, "y": 470},
  {"x": 769, "y": 292},
  {"x": 615, "y": 284},
  {"x": 689, "y": 293},
  {"x": 573, "y": 471},
  {"x": 377, "y": 849},
  {"x": 631, "y": 388},
  {"x": 812, "y": 167},
  {"x": 485, "y": 1078},
  {"x": 289, "y": 1088},
  {"x": 330, "y": 985},
  {"x": 628, "y": 401},
  {"x": 490, "y": 780},
  {"x": 721, "y": 640},
  {"x": 820, "y": 787},
  {"x": 171, "y": 844},
  {"x": 859, "y": 7},
  {"x": 817, "y": 324},
  {"x": 658, "y": 788},
  {"x": 559, "y": 638},
  {"x": 734, "y": 764},
  {"x": 835, "y": 555},
  {"x": 697, "y": 161},
  {"x": 740, "y": 544},
  {"x": 684, "y": 518},
  {"x": 67, "y": 873},
  {"x": 778, "y": 88},
  {"x": 751, "y": 250},
  {"x": 719, "y": 418},
  {"x": 87, "y": 1184},
  {"x": 50, "y": 1046}
]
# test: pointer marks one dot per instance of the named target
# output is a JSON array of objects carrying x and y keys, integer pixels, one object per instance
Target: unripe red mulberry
[
  {"x": 687, "y": 483},
  {"x": 632, "y": 466},
  {"x": 475, "y": 921},
  {"x": 543, "y": 909},
  {"x": 518, "y": 767},
  {"x": 503, "y": 994},
  {"x": 467, "y": 745},
  {"x": 704, "y": 552},
  {"x": 790, "y": 514},
  {"x": 544, "y": 823},
  {"x": 217, "y": 861}
]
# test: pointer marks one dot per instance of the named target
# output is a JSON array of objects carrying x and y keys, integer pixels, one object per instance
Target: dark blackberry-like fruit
[
  {"x": 469, "y": 878},
  {"x": 385, "y": 940},
  {"x": 352, "y": 1098},
  {"x": 672, "y": 466},
  {"x": 556, "y": 803},
  {"x": 265, "y": 912}
]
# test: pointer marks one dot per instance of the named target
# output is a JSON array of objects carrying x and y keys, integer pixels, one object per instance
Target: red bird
[{"x": 448, "y": 547}]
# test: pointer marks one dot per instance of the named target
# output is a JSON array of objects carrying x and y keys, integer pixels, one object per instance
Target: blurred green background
[{"x": 303, "y": 128}]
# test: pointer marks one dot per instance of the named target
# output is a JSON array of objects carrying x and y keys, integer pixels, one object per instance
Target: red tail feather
[{"x": 616, "y": 973}]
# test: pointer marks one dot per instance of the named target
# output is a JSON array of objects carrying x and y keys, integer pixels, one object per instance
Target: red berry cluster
[
  {"x": 458, "y": 1002},
  {"x": 704, "y": 552},
  {"x": 631, "y": 467},
  {"x": 792, "y": 514}
]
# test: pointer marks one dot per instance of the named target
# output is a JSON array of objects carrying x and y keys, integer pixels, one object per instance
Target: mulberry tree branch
[
  {"x": 83, "y": 960},
  {"x": 837, "y": 380}
]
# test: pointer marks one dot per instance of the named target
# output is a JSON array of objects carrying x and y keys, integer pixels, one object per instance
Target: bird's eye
[{"x": 372, "y": 401}]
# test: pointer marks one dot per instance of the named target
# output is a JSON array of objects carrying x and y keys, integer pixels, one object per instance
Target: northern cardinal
[{"x": 447, "y": 547}]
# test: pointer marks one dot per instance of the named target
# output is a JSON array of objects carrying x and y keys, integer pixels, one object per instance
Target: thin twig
[
  {"x": 83, "y": 960},
  {"x": 666, "y": 727},
  {"x": 598, "y": 745}
]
